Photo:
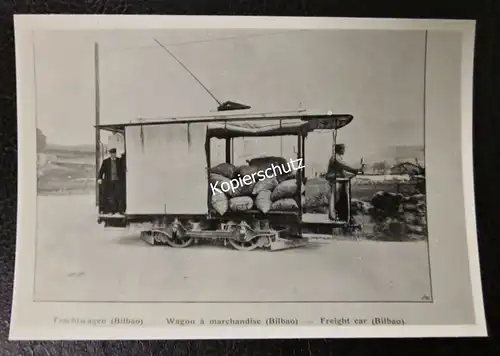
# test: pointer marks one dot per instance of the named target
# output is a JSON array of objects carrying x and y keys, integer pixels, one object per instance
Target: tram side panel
[{"x": 167, "y": 169}]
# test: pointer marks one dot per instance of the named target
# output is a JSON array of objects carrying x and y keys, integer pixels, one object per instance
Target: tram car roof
[{"x": 224, "y": 125}]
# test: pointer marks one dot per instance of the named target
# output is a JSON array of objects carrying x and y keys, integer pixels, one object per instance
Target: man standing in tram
[
  {"x": 111, "y": 180},
  {"x": 337, "y": 168}
]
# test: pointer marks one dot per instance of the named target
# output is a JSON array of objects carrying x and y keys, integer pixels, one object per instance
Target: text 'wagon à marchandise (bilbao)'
[{"x": 248, "y": 179}]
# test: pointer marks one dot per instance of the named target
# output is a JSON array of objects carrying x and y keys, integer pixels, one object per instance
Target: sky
[{"x": 377, "y": 76}]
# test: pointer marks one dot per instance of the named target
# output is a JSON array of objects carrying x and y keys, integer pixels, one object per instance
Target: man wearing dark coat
[
  {"x": 111, "y": 180},
  {"x": 337, "y": 169}
]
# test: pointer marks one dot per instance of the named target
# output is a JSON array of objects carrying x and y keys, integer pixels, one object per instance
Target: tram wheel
[
  {"x": 244, "y": 245},
  {"x": 178, "y": 240},
  {"x": 173, "y": 239}
]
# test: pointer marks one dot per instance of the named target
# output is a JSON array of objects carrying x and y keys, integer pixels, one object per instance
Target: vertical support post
[
  {"x": 331, "y": 208},
  {"x": 349, "y": 191},
  {"x": 228, "y": 150},
  {"x": 333, "y": 185},
  {"x": 125, "y": 195},
  {"x": 208, "y": 155},
  {"x": 299, "y": 174},
  {"x": 334, "y": 140},
  {"x": 303, "y": 155},
  {"x": 281, "y": 142},
  {"x": 232, "y": 150},
  {"x": 97, "y": 117}
]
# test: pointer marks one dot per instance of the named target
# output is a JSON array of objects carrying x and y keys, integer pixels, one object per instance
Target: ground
[{"x": 78, "y": 260}]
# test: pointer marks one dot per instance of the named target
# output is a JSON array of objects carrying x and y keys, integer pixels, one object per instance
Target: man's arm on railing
[{"x": 346, "y": 167}]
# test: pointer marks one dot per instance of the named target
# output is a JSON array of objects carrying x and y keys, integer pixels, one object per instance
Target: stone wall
[{"x": 399, "y": 217}]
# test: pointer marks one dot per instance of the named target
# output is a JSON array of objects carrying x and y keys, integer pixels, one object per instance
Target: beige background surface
[{"x": 457, "y": 308}]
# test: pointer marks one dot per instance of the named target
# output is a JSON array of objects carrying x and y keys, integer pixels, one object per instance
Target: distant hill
[
  {"x": 62, "y": 154},
  {"x": 51, "y": 148},
  {"x": 397, "y": 153},
  {"x": 406, "y": 152}
]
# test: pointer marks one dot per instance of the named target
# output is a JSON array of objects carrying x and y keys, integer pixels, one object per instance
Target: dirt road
[{"x": 79, "y": 260}]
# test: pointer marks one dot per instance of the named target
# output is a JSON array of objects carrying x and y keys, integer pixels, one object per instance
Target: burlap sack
[
  {"x": 241, "y": 190},
  {"x": 286, "y": 189},
  {"x": 263, "y": 201},
  {"x": 240, "y": 204},
  {"x": 266, "y": 184},
  {"x": 244, "y": 174},
  {"x": 286, "y": 204},
  {"x": 214, "y": 178},
  {"x": 286, "y": 176},
  {"x": 246, "y": 170},
  {"x": 224, "y": 169},
  {"x": 220, "y": 203},
  {"x": 267, "y": 160},
  {"x": 280, "y": 166}
]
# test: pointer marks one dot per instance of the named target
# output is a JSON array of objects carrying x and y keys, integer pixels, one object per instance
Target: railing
[{"x": 332, "y": 211}]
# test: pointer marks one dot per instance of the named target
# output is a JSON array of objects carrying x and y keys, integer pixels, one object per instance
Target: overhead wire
[{"x": 117, "y": 50}]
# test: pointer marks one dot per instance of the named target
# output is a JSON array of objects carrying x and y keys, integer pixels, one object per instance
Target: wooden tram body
[{"x": 175, "y": 201}]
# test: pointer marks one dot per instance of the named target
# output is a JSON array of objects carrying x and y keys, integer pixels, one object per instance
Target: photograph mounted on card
[{"x": 228, "y": 177}]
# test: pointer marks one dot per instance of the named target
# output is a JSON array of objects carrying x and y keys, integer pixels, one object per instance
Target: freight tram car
[{"x": 168, "y": 179}]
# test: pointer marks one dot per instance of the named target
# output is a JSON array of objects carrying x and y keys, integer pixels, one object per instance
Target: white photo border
[{"x": 33, "y": 320}]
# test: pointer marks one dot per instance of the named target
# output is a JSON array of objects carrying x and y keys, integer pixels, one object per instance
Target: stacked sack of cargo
[
  {"x": 414, "y": 211},
  {"x": 263, "y": 193},
  {"x": 386, "y": 215},
  {"x": 396, "y": 215}
]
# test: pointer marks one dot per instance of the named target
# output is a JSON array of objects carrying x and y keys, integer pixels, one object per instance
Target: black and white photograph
[{"x": 220, "y": 169}]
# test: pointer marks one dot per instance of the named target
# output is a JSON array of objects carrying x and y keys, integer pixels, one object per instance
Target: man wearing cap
[
  {"x": 111, "y": 178},
  {"x": 337, "y": 169}
]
